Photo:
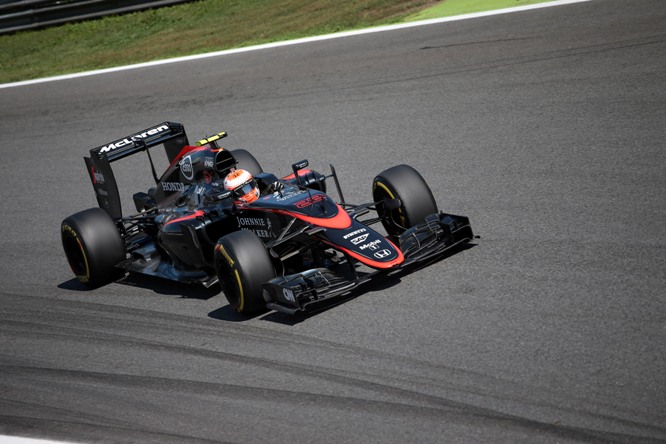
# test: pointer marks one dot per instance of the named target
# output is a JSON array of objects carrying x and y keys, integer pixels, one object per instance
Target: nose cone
[{"x": 366, "y": 245}]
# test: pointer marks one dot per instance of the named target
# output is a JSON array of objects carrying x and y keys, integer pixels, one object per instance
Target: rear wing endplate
[{"x": 170, "y": 134}]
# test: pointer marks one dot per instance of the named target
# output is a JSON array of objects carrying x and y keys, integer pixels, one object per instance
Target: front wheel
[
  {"x": 243, "y": 264},
  {"x": 93, "y": 246},
  {"x": 404, "y": 183}
]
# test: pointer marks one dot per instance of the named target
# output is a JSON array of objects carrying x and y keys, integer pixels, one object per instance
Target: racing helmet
[{"x": 243, "y": 186}]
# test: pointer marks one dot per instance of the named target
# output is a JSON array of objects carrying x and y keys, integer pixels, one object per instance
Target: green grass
[
  {"x": 204, "y": 26},
  {"x": 458, "y": 7}
]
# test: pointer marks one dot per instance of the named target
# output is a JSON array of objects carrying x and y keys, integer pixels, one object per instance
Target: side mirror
[{"x": 297, "y": 167}]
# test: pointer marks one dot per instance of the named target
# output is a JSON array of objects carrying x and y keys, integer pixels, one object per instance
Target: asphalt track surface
[{"x": 545, "y": 127}]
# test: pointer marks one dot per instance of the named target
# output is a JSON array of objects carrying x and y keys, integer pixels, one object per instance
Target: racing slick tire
[
  {"x": 416, "y": 200},
  {"x": 93, "y": 246},
  {"x": 247, "y": 162},
  {"x": 243, "y": 264}
]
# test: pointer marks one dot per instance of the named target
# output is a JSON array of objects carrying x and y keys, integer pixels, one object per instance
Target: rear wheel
[
  {"x": 242, "y": 264},
  {"x": 247, "y": 162},
  {"x": 416, "y": 200},
  {"x": 93, "y": 246}
]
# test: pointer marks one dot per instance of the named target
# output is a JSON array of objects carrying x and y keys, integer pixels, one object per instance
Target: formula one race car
[{"x": 281, "y": 244}]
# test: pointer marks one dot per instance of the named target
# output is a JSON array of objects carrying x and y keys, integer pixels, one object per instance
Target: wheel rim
[{"x": 390, "y": 219}]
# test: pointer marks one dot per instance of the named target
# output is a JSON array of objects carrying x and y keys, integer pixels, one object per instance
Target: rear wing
[{"x": 170, "y": 134}]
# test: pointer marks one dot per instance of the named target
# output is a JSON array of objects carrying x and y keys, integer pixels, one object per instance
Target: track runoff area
[
  {"x": 337, "y": 35},
  {"x": 4, "y": 439}
]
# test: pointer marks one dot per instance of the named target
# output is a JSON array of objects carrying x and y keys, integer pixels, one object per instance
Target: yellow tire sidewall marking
[
  {"x": 241, "y": 304},
  {"x": 241, "y": 294},
  {"x": 72, "y": 232},
  {"x": 225, "y": 254}
]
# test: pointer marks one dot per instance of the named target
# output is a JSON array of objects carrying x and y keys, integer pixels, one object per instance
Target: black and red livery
[{"x": 289, "y": 250}]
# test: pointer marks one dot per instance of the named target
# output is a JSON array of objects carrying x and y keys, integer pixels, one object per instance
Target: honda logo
[{"x": 382, "y": 254}]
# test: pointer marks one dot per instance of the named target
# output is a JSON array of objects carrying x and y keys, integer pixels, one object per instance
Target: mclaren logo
[
  {"x": 131, "y": 139},
  {"x": 382, "y": 254}
]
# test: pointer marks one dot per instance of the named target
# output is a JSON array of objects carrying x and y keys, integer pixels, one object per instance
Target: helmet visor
[{"x": 246, "y": 188}]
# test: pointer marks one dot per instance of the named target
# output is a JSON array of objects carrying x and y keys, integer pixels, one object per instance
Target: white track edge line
[
  {"x": 294, "y": 42},
  {"x": 6, "y": 439}
]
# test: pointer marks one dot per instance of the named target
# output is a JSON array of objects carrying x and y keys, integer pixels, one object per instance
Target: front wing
[{"x": 421, "y": 245}]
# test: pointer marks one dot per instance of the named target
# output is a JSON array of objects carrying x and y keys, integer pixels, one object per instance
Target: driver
[{"x": 243, "y": 187}]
